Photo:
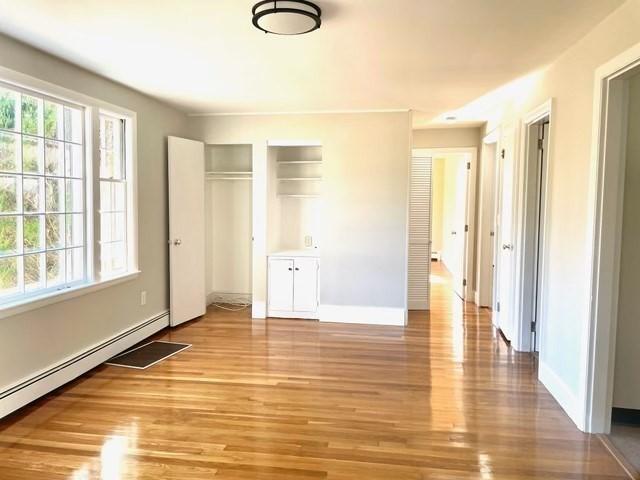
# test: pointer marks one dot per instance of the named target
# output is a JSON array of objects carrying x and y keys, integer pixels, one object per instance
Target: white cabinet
[
  {"x": 281, "y": 284},
  {"x": 293, "y": 287}
]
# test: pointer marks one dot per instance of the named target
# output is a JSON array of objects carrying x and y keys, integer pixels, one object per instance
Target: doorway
[
  {"x": 611, "y": 375},
  {"x": 485, "y": 274},
  {"x": 537, "y": 133},
  {"x": 451, "y": 204}
]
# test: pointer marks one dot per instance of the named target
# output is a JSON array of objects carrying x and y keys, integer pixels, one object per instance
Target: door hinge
[
  {"x": 502, "y": 153},
  {"x": 468, "y": 165},
  {"x": 497, "y": 306},
  {"x": 540, "y": 144},
  {"x": 533, "y": 327},
  {"x": 464, "y": 282},
  {"x": 466, "y": 228}
]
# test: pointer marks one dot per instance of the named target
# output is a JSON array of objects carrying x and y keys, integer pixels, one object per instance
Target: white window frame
[{"x": 92, "y": 109}]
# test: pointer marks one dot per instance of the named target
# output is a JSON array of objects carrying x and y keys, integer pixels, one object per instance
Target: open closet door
[
  {"x": 186, "y": 230},
  {"x": 419, "y": 233}
]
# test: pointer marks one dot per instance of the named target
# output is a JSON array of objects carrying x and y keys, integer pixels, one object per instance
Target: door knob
[
  {"x": 177, "y": 242},
  {"x": 507, "y": 246}
]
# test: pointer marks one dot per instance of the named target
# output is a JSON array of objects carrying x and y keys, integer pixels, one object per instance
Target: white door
[
  {"x": 419, "y": 268},
  {"x": 505, "y": 233},
  {"x": 186, "y": 230},
  {"x": 459, "y": 227},
  {"x": 281, "y": 284},
  {"x": 305, "y": 285}
]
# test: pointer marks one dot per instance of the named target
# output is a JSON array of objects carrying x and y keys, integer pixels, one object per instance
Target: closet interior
[{"x": 228, "y": 225}]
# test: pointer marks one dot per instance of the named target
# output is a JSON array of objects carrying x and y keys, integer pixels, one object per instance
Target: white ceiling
[{"x": 205, "y": 56}]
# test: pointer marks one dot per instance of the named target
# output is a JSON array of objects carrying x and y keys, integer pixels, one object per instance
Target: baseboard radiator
[{"x": 55, "y": 376}]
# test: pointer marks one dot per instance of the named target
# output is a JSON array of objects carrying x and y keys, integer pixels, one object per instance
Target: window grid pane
[
  {"x": 113, "y": 205},
  {"x": 42, "y": 212}
]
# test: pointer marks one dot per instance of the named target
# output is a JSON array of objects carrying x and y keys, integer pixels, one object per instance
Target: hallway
[{"x": 288, "y": 399}]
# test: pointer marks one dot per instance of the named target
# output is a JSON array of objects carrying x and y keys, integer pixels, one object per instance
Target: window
[
  {"x": 113, "y": 195},
  {"x": 42, "y": 211},
  {"x": 52, "y": 236}
]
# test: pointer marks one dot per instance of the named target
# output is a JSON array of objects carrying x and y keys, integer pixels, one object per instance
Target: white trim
[
  {"x": 293, "y": 143},
  {"x": 368, "y": 315},
  {"x": 185, "y": 346},
  {"x": 92, "y": 108},
  {"x": 290, "y": 314},
  {"x": 606, "y": 189},
  {"x": 259, "y": 309},
  {"x": 561, "y": 392},
  {"x": 301, "y": 112},
  {"x": 522, "y": 335},
  {"x": 27, "y": 304},
  {"x": 470, "y": 207},
  {"x": 35, "y": 386}
]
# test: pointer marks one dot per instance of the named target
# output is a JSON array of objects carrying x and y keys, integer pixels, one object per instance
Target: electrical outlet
[
  {"x": 308, "y": 241},
  {"x": 143, "y": 297}
]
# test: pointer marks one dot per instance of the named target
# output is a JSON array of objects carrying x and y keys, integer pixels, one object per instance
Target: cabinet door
[
  {"x": 305, "y": 285},
  {"x": 281, "y": 284}
]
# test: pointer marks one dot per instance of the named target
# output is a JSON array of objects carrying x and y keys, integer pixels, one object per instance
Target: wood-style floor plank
[{"x": 443, "y": 398}]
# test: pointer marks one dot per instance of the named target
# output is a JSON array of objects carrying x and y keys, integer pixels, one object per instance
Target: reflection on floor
[
  {"x": 441, "y": 399},
  {"x": 626, "y": 438}
]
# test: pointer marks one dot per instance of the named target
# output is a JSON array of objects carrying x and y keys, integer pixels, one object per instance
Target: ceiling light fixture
[{"x": 290, "y": 17}]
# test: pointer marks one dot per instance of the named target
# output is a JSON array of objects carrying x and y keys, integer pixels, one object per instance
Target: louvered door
[{"x": 419, "y": 233}]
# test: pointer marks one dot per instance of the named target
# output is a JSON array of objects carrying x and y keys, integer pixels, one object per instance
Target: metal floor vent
[{"x": 147, "y": 355}]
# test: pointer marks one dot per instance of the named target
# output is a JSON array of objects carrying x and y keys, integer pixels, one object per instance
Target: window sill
[{"x": 21, "y": 306}]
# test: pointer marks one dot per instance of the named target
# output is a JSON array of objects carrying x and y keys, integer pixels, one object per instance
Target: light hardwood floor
[{"x": 286, "y": 399}]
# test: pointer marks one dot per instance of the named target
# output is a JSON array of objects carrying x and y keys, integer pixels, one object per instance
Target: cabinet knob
[
  {"x": 290, "y": 269},
  {"x": 297, "y": 269}
]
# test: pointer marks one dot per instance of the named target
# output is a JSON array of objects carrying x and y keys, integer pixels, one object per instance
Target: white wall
[
  {"x": 37, "y": 339},
  {"x": 626, "y": 392},
  {"x": 365, "y": 194},
  {"x": 446, "y": 137},
  {"x": 228, "y": 242},
  {"x": 565, "y": 304}
]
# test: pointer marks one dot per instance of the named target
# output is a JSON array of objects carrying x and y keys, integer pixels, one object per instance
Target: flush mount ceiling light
[{"x": 290, "y": 17}]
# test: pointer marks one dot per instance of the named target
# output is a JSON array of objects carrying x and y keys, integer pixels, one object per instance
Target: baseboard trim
[
  {"x": 561, "y": 392},
  {"x": 368, "y": 315},
  {"x": 47, "y": 380},
  {"x": 258, "y": 309},
  {"x": 225, "y": 297}
]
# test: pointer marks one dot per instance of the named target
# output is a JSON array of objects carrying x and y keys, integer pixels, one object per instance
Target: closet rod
[{"x": 228, "y": 178}]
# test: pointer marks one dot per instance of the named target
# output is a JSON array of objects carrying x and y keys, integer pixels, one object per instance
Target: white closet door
[
  {"x": 186, "y": 230},
  {"x": 305, "y": 285},
  {"x": 419, "y": 233},
  {"x": 281, "y": 284}
]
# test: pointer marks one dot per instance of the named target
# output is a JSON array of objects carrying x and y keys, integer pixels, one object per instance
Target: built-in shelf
[
  {"x": 291, "y": 162},
  {"x": 299, "y": 179},
  {"x": 228, "y": 175},
  {"x": 299, "y": 195}
]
